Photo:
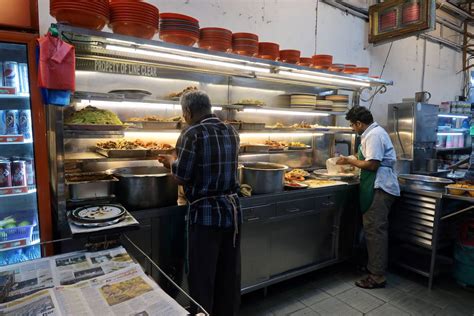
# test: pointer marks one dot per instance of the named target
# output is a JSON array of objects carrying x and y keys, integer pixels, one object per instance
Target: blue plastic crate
[{"x": 15, "y": 233}]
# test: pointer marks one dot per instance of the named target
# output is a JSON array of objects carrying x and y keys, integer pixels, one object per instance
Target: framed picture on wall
[{"x": 397, "y": 19}]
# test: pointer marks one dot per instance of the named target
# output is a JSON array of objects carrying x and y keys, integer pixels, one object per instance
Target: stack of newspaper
[{"x": 81, "y": 283}]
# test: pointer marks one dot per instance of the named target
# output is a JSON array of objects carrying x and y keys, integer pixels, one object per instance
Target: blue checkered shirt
[{"x": 207, "y": 163}]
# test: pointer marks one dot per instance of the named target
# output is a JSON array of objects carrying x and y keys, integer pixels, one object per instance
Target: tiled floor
[{"x": 332, "y": 291}]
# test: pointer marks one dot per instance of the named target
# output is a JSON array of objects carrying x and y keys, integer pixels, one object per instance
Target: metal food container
[
  {"x": 122, "y": 153},
  {"x": 426, "y": 183},
  {"x": 252, "y": 126},
  {"x": 85, "y": 187},
  {"x": 142, "y": 188},
  {"x": 264, "y": 177}
]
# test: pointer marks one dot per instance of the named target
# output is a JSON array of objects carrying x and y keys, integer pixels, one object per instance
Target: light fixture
[
  {"x": 455, "y": 116},
  {"x": 136, "y": 105},
  {"x": 148, "y": 134},
  {"x": 283, "y": 112},
  {"x": 450, "y": 134},
  {"x": 266, "y": 134},
  {"x": 317, "y": 77},
  {"x": 196, "y": 60}
]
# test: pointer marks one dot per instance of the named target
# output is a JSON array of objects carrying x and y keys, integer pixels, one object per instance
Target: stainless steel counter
[{"x": 283, "y": 235}]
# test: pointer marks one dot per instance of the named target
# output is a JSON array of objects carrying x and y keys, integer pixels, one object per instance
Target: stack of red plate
[
  {"x": 267, "y": 50},
  {"x": 245, "y": 44},
  {"x": 305, "y": 61},
  {"x": 388, "y": 20},
  {"x": 82, "y": 13},
  {"x": 134, "y": 18},
  {"x": 291, "y": 56},
  {"x": 411, "y": 13},
  {"x": 179, "y": 29},
  {"x": 322, "y": 61},
  {"x": 215, "y": 38}
]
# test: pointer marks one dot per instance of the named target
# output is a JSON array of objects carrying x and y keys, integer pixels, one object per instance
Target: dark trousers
[
  {"x": 375, "y": 222},
  {"x": 214, "y": 269}
]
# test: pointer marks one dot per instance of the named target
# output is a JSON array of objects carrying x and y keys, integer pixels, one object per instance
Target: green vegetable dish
[{"x": 93, "y": 116}]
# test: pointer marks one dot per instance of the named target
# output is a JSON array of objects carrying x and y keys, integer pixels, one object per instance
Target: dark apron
[{"x": 366, "y": 187}]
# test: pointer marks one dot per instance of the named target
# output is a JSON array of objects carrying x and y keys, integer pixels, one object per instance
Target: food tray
[
  {"x": 157, "y": 152},
  {"x": 88, "y": 187},
  {"x": 122, "y": 153},
  {"x": 235, "y": 125},
  {"x": 299, "y": 148},
  {"x": 94, "y": 127},
  {"x": 460, "y": 191},
  {"x": 252, "y": 126},
  {"x": 155, "y": 125},
  {"x": 256, "y": 148}
]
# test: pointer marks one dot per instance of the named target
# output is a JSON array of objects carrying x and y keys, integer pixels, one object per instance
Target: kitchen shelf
[
  {"x": 73, "y": 134},
  {"x": 95, "y": 157},
  {"x": 453, "y": 149},
  {"x": 273, "y": 152},
  {"x": 14, "y": 96},
  {"x": 32, "y": 243},
  {"x": 31, "y": 191},
  {"x": 460, "y": 197}
]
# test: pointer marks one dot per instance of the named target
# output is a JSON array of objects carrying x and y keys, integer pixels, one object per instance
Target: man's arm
[
  {"x": 182, "y": 164},
  {"x": 369, "y": 165}
]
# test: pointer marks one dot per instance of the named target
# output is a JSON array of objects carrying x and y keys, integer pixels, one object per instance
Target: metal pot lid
[
  {"x": 98, "y": 213},
  {"x": 264, "y": 166},
  {"x": 426, "y": 179}
]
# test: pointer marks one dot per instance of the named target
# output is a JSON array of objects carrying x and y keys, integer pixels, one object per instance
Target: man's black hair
[{"x": 360, "y": 113}]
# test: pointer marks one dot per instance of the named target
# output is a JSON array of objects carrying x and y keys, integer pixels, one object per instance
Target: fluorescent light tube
[
  {"x": 173, "y": 57},
  {"x": 284, "y": 112},
  {"x": 453, "y": 116},
  {"x": 259, "y": 135},
  {"x": 319, "y": 78},
  {"x": 450, "y": 134}
]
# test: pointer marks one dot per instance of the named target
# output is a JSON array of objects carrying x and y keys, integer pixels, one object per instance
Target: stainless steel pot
[
  {"x": 141, "y": 188},
  {"x": 264, "y": 177},
  {"x": 425, "y": 183},
  {"x": 402, "y": 166},
  {"x": 81, "y": 189}
]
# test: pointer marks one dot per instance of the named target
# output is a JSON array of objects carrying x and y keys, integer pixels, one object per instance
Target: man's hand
[
  {"x": 166, "y": 160},
  {"x": 344, "y": 161}
]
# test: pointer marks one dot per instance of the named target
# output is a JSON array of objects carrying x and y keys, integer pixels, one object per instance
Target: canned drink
[
  {"x": 24, "y": 124},
  {"x": 24, "y": 82},
  {"x": 1, "y": 74},
  {"x": 5, "y": 173},
  {"x": 18, "y": 169},
  {"x": 11, "y": 77},
  {"x": 3, "y": 122},
  {"x": 11, "y": 122},
  {"x": 30, "y": 172}
]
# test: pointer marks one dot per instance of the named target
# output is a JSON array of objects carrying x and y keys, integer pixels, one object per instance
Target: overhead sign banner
[{"x": 117, "y": 67}]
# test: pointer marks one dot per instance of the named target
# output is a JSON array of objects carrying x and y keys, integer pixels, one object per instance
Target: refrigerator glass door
[{"x": 19, "y": 225}]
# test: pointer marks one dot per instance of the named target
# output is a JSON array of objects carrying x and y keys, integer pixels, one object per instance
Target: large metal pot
[
  {"x": 264, "y": 177},
  {"x": 425, "y": 183},
  {"x": 141, "y": 188},
  {"x": 402, "y": 166}
]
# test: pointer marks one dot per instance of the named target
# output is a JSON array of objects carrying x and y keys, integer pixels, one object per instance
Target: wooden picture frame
[{"x": 397, "y": 19}]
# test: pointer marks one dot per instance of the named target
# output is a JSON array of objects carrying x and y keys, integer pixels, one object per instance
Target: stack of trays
[
  {"x": 98, "y": 215},
  {"x": 324, "y": 105},
  {"x": 339, "y": 102},
  {"x": 302, "y": 100}
]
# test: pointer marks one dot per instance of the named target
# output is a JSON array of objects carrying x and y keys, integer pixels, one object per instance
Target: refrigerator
[{"x": 25, "y": 208}]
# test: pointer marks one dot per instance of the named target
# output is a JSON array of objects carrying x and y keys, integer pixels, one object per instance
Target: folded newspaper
[{"x": 125, "y": 292}]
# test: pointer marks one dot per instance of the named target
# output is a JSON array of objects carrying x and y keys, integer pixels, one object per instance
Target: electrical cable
[{"x": 381, "y": 73}]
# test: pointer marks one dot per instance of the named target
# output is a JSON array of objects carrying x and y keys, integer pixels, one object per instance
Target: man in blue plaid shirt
[{"x": 206, "y": 166}]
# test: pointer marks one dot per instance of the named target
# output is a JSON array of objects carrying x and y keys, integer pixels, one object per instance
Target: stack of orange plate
[
  {"x": 291, "y": 56},
  {"x": 179, "y": 29},
  {"x": 215, "y": 38},
  {"x": 245, "y": 44},
  {"x": 362, "y": 71},
  {"x": 267, "y": 50},
  {"x": 349, "y": 69},
  {"x": 322, "y": 61},
  {"x": 305, "y": 61},
  {"x": 82, "y": 13},
  {"x": 337, "y": 67},
  {"x": 134, "y": 18}
]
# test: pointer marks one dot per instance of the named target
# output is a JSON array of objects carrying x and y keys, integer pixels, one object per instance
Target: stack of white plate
[
  {"x": 324, "y": 105},
  {"x": 303, "y": 100},
  {"x": 340, "y": 101}
]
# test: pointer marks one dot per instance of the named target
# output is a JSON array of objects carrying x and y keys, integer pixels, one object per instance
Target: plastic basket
[{"x": 15, "y": 233}]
